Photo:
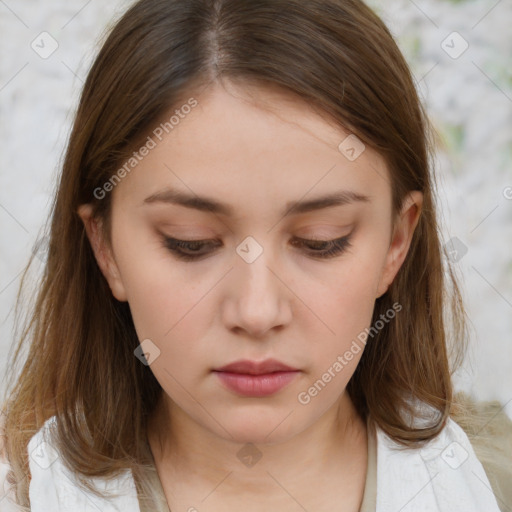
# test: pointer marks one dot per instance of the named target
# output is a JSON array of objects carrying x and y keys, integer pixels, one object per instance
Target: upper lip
[{"x": 256, "y": 367}]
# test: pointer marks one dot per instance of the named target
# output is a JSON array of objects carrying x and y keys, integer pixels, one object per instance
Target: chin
[{"x": 258, "y": 428}]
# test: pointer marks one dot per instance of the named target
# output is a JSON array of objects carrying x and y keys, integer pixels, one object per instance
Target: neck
[{"x": 335, "y": 444}]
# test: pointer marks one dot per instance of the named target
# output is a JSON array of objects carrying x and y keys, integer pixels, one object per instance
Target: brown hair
[{"x": 336, "y": 55}]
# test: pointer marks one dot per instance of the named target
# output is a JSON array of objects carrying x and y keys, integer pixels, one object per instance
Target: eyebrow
[{"x": 207, "y": 204}]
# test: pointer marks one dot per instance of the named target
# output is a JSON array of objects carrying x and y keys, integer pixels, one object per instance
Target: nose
[{"x": 258, "y": 300}]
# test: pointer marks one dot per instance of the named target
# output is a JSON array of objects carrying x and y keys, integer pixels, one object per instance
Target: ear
[
  {"x": 405, "y": 225},
  {"x": 102, "y": 251}
]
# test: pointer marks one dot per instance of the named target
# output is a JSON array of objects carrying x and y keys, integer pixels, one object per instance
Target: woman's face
[{"x": 227, "y": 173}]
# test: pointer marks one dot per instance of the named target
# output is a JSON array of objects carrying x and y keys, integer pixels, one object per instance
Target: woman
[{"x": 243, "y": 298}]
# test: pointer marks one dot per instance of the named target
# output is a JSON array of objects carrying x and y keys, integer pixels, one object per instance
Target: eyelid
[{"x": 335, "y": 247}]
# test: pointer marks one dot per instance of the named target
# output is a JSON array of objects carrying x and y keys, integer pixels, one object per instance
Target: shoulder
[
  {"x": 7, "y": 498},
  {"x": 489, "y": 430},
  {"x": 442, "y": 475},
  {"x": 54, "y": 487}
]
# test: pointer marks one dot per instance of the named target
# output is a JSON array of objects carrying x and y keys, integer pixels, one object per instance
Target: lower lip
[{"x": 256, "y": 385}]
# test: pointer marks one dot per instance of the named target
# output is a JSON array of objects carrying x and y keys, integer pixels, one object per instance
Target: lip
[
  {"x": 256, "y": 378},
  {"x": 248, "y": 367}
]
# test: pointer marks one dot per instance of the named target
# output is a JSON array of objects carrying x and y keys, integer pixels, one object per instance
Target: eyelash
[{"x": 334, "y": 247}]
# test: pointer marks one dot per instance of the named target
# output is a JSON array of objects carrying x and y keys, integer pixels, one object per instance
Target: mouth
[{"x": 256, "y": 379}]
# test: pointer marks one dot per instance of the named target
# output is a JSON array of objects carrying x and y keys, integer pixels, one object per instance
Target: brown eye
[
  {"x": 325, "y": 248},
  {"x": 189, "y": 250}
]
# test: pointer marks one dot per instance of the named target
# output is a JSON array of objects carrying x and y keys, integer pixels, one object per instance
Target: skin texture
[{"x": 254, "y": 148}]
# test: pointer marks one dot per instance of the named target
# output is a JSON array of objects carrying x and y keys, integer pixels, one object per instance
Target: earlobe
[
  {"x": 102, "y": 252},
  {"x": 401, "y": 240}
]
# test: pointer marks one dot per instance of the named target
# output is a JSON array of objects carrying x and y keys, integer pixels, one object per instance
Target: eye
[
  {"x": 190, "y": 250},
  {"x": 325, "y": 248}
]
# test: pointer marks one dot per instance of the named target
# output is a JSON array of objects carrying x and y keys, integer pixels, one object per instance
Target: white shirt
[{"x": 444, "y": 476}]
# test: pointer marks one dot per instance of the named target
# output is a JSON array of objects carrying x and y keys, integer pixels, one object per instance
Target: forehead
[{"x": 250, "y": 144}]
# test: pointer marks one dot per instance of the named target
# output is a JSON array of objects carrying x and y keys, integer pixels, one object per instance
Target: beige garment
[
  {"x": 369, "y": 503},
  {"x": 157, "y": 496}
]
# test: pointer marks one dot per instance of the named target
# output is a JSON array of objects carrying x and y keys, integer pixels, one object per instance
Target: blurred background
[{"x": 460, "y": 53}]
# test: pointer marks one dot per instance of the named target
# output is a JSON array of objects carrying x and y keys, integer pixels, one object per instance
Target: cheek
[
  {"x": 348, "y": 314},
  {"x": 172, "y": 306},
  {"x": 346, "y": 307},
  {"x": 168, "y": 310},
  {"x": 347, "y": 297},
  {"x": 164, "y": 304},
  {"x": 159, "y": 291},
  {"x": 345, "y": 302}
]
